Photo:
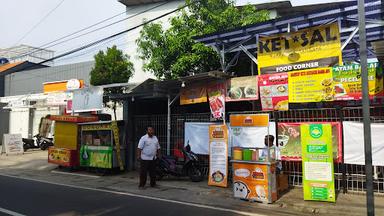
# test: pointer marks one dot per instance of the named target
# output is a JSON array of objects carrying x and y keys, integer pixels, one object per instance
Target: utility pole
[{"x": 366, "y": 110}]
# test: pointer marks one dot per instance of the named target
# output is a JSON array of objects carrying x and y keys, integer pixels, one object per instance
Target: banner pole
[{"x": 366, "y": 109}]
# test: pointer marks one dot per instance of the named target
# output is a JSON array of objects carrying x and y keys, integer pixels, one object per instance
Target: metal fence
[{"x": 347, "y": 176}]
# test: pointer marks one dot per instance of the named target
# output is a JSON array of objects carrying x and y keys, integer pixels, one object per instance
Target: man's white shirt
[{"x": 149, "y": 147}]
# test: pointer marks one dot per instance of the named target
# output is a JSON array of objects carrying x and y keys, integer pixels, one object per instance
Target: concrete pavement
[{"x": 34, "y": 166}]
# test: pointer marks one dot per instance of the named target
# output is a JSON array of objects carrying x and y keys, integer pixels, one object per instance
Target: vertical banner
[
  {"x": 318, "y": 173},
  {"x": 216, "y": 97},
  {"x": 274, "y": 91},
  {"x": 347, "y": 80},
  {"x": 313, "y": 85},
  {"x": 218, "y": 155},
  {"x": 308, "y": 48},
  {"x": 242, "y": 88}
]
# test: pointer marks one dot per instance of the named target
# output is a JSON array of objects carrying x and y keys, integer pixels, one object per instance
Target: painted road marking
[
  {"x": 74, "y": 174},
  {"x": 141, "y": 196},
  {"x": 9, "y": 212}
]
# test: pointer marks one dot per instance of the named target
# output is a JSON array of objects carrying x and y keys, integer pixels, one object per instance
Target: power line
[
  {"x": 41, "y": 21},
  {"x": 114, "y": 35},
  {"x": 45, "y": 46}
]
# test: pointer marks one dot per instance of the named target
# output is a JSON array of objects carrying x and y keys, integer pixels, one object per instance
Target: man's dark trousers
[{"x": 145, "y": 167}]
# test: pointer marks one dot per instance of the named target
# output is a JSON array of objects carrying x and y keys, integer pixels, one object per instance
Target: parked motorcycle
[
  {"x": 45, "y": 143},
  {"x": 37, "y": 142},
  {"x": 31, "y": 143},
  {"x": 187, "y": 166}
]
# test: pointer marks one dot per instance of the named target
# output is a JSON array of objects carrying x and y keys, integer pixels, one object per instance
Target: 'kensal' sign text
[
  {"x": 304, "y": 49},
  {"x": 275, "y": 44}
]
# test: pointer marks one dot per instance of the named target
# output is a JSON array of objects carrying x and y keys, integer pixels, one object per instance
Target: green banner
[
  {"x": 317, "y": 157},
  {"x": 96, "y": 156}
]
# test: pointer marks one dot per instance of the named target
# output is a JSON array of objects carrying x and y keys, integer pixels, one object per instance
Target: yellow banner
[
  {"x": 314, "y": 85},
  {"x": 193, "y": 95},
  {"x": 308, "y": 48},
  {"x": 95, "y": 127}
]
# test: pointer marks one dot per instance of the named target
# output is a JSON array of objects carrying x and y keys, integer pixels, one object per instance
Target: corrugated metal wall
[{"x": 31, "y": 81}]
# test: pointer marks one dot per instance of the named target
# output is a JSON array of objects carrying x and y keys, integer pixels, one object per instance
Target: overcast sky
[{"x": 19, "y": 16}]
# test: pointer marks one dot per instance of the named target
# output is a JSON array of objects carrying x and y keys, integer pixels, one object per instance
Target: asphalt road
[{"x": 28, "y": 197}]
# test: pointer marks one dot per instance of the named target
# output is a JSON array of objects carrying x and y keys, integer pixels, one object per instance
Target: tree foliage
[
  {"x": 171, "y": 53},
  {"x": 112, "y": 66}
]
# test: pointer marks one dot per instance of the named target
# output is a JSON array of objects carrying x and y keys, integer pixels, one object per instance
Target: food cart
[
  {"x": 101, "y": 146},
  {"x": 254, "y": 175},
  {"x": 65, "y": 151}
]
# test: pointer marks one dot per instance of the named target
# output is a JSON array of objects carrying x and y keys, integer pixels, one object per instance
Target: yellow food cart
[{"x": 65, "y": 151}]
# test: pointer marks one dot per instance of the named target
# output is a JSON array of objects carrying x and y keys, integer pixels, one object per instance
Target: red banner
[
  {"x": 289, "y": 140},
  {"x": 216, "y": 97},
  {"x": 274, "y": 91}
]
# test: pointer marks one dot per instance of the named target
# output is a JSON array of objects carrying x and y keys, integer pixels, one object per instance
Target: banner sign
[
  {"x": 304, "y": 49},
  {"x": 251, "y": 120},
  {"x": 75, "y": 119},
  {"x": 274, "y": 91},
  {"x": 289, "y": 141},
  {"x": 313, "y": 85},
  {"x": 95, "y": 127},
  {"x": 242, "y": 88},
  {"x": 192, "y": 95},
  {"x": 96, "y": 156},
  {"x": 218, "y": 155},
  {"x": 250, "y": 181},
  {"x": 88, "y": 99},
  {"x": 347, "y": 80},
  {"x": 63, "y": 157},
  {"x": 216, "y": 96},
  {"x": 12, "y": 144},
  {"x": 318, "y": 173}
]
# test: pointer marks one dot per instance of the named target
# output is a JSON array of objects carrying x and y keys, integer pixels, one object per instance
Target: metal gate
[{"x": 347, "y": 176}]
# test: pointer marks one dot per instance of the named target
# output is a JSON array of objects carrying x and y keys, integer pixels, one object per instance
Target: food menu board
[
  {"x": 251, "y": 182},
  {"x": 313, "y": 85},
  {"x": 218, "y": 155},
  {"x": 12, "y": 144},
  {"x": 216, "y": 97},
  {"x": 274, "y": 91},
  {"x": 318, "y": 173},
  {"x": 347, "y": 80},
  {"x": 242, "y": 88}
]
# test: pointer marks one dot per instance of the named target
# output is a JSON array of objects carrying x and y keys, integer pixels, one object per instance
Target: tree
[
  {"x": 112, "y": 66},
  {"x": 172, "y": 53}
]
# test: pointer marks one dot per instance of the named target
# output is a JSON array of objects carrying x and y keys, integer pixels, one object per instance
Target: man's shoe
[{"x": 141, "y": 188}]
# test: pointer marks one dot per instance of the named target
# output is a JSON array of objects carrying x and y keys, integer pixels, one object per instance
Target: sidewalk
[{"x": 34, "y": 165}]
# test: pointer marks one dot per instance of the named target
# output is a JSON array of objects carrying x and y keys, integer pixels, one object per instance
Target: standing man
[{"x": 147, "y": 152}]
